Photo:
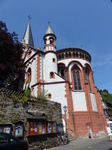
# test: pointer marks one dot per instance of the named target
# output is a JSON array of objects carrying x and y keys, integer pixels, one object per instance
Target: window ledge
[{"x": 78, "y": 91}]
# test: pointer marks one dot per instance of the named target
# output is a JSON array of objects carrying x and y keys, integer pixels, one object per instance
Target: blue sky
[{"x": 75, "y": 23}]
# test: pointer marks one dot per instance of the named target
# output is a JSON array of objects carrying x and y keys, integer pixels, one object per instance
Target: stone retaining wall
[{"x": 11, "y": 112}]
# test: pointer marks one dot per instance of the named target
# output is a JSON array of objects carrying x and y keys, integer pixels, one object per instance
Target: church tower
[{"x": 50, "y": 64}]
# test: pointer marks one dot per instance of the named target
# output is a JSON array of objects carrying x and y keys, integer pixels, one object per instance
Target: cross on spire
[{"x": 29, "y": 18}]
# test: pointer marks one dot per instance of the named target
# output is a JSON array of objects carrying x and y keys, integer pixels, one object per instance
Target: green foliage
[
  {"x": 42, "y": 95},
  {"x": 24, "y": 98},
  {"x": 107, "y": 97},
  {"x": 27, "y": 95},
  {"x": 14, "y": 97},
  {"x": 28, "y": 92}
]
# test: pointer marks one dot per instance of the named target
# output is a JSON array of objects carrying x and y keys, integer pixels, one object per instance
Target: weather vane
[{"x": 29, "y": 17}]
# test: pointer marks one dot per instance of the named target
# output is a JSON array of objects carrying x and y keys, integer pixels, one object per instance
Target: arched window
[
  {"x": 54, "y": 60},
  {"x": 28, "y": 76},
  {"x": 51, "y": 74},
  {"x": 76, "y": 78},
  {"x": 61, "y": 70},
  {"x": 51, "y": 40}
]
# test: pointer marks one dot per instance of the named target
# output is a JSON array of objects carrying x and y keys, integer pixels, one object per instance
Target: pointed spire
[
  {"x": 49, "y": 31},
  {"x": 28, "y": 34}
]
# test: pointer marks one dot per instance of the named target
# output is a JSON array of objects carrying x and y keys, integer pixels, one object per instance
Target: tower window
[
  {"x": 76, "y": 78},
  {"x": 54, "y": 60},
  {"x": 51, "y": 74},
  {"x": 51, "y": 40}
]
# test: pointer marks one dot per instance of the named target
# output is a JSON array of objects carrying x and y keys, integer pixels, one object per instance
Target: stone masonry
[{"x": 11, "y": 112}]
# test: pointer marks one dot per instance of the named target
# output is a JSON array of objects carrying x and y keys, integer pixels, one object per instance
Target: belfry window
[
  {"x": 51, "y": 40},
  {"x": 76, "y": 78}
]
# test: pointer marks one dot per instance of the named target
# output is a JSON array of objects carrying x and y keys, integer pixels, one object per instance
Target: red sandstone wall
[
  {"x": 85, "y": 121},
  {"x": 80, "y": 123}
]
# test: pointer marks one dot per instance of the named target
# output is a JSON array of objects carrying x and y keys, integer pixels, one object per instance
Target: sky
[{"x": 74, "y": 22}]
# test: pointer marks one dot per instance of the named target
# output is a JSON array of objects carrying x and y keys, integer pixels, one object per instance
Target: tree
[
  {"x": 11, "y": 63},
  {"x": 107, "y": 97}
]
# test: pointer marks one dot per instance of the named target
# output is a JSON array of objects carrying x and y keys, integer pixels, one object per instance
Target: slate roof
[
  {"x": 28, "y": 35},
  {"x": 49, "y": 31}
]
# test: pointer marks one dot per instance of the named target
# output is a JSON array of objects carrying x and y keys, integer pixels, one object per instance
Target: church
[{"x": 67, "y": 76}]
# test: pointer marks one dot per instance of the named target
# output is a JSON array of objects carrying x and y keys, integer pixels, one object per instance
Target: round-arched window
[{"x": 76, "y": 78}]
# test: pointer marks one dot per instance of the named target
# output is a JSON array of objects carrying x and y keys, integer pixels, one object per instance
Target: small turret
[
  {"x": 50, "y": 63},
  {"x": 49, "y": 40}
]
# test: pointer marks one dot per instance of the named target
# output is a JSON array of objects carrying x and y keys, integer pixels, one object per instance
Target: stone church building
[{"x": 67, "y": 75}]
